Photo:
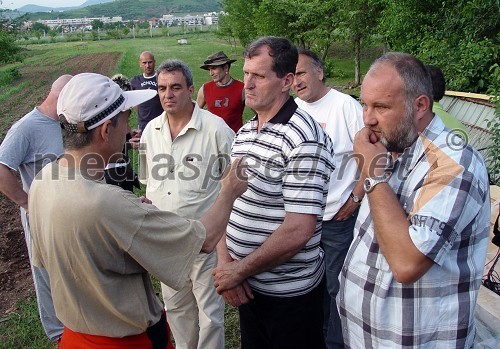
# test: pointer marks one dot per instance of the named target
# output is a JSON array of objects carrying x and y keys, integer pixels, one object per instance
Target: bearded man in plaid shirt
[{"x": 413, "y": 272}]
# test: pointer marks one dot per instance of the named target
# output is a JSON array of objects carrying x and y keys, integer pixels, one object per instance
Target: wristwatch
[
  {"x": 371, "y": 182},
  {"x": 355, "y": 198}
]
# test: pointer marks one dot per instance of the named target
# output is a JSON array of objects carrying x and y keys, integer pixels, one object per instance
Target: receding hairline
[
  {"x": 146, "y": 53},
  {"x": 60, "y": 82}
]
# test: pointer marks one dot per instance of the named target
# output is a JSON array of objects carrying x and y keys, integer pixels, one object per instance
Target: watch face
[
  {"x": 370, "y": 183},
  {"x": 367, "y": 185},
  {"x": 355, "y": 198}
]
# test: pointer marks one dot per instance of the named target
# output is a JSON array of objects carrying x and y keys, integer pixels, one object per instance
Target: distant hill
[
  {"x": 36, "y": 8},
  {"x": 128, "y": 9}
]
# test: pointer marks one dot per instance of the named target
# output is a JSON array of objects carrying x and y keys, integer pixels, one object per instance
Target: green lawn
[{"x": 22, "y": 329}]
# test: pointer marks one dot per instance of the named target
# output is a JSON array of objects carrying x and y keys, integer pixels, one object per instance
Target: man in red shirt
[{"x": 223, "y": 96}]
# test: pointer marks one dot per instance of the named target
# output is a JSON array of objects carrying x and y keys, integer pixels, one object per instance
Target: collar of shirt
[
  {"x": 412, "y": 155},
  {"x": 194, "y": 123},
  {"x": 283, "y": 115}
]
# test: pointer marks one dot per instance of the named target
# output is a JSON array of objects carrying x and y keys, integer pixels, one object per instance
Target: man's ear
[
  {"x": 321, "y": 74},
  {"x": 288, "y": 81},
  {"x": 422, "y": 104},
  {"x": 104, "y": 130}
]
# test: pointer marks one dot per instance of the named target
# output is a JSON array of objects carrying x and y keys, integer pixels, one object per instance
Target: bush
[
  {"x": 8, "y": 76},
  {"x": 493, "y": 154},
  {"x": 332, "y": 72},
  {"x": 9, "y": 50}
]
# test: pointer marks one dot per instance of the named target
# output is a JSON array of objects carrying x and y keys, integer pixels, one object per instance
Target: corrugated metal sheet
[{"x": 474, "y": 113}]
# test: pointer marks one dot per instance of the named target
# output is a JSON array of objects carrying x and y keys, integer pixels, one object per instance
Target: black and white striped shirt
[{"x": 290, "y": 160}]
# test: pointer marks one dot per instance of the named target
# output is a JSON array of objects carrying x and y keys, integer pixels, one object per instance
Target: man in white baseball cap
[{"x": 99, "y": 242}]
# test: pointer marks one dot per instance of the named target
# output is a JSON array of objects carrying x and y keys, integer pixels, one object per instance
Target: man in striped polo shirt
[{"x": 271, "y": 265}]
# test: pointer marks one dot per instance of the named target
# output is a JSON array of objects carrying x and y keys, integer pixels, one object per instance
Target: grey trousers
[{"x": 51, "y": 324}]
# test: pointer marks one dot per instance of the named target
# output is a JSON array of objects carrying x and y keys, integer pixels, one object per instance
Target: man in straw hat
[
  {"x": 223, "y": 96},
  {"x": 101, "y": 242}
]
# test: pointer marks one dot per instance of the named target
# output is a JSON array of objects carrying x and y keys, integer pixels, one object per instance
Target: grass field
[{"x": 45, "y": 62}]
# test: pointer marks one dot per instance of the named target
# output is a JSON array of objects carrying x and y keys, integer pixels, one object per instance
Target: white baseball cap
[{"x": 89, "y": 99}]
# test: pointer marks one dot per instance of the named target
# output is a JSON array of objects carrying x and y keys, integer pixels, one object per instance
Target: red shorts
[{"x": 156, "y": 337}]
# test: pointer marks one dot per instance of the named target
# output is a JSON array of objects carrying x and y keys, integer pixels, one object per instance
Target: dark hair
[
  {"x": 283, "y": 52},
  {"x": 317, "y": 62},
  {"x": 416, "y": 79},
  {"x": 122, "y": 81},
  {"x": 438, "y": 83},
  {"x": 78, "y": 140},
  {"x": 171, "y": 65}
]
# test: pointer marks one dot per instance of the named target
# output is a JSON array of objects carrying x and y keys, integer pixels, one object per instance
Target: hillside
[
  {"x": 134, "y": 9},
  {"x": 37, "y": 8}
]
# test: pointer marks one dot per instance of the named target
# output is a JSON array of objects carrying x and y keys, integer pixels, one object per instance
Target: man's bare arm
[
  {"x": 10, "y": 186},
  {"x": 200, "y": 99},
  {"x": 284, "y": 243}
]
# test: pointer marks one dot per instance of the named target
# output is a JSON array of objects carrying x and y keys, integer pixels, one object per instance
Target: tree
[
  {"x": 459, "y": 36},
  {"x": 315, "y": 24},
  {"x": 9, "y": 50},
  {"x": 225, "y": 32},
  {"x": 493, "y": 154},
  {"x": 358, "y": 19},
  {"x": 53, "y": 35},
  {"x": 97, "y": 24},
  {"x": 113, "y": 34},
  {"x": 125, "y": 31},
  {"x": 80, "y": 34},
  {"x": 40, "y": 27},
  {"x": 240, "y": 19}
]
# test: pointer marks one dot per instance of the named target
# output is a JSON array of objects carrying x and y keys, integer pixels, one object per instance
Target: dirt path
[{"x": 15, "y": 275}]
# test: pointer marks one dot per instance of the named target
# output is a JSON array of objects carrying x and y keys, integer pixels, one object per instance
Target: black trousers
[
  {"x": 268, "y": 322},
  {"x": 158, "y": 334}
]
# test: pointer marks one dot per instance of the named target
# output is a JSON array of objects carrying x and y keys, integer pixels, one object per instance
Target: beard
[{"x": 402, "y": 136}]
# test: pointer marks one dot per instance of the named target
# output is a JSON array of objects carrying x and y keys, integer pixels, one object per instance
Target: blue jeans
[{"x": 336, "y": 237}]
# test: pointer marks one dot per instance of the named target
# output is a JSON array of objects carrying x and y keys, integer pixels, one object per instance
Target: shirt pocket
[{"x": 196, "y": 175}]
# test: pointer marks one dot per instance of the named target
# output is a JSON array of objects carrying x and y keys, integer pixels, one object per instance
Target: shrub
[
  {"x": 8, "y": 76},
  {"x": 9, "y": 50},
  {"x": 494, "y": 126}
]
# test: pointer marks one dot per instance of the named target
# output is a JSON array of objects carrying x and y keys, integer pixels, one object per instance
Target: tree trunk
[
  {"x": 325, "y": 52},
  {"x": 357, "y": 60},
  {"x": 386, "y": 45}
]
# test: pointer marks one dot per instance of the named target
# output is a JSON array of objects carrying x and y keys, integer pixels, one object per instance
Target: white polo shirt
[{"x": 183, "y": 175}]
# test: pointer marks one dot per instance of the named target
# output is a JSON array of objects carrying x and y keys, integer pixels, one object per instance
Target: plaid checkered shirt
[{"x": 442, "y": 184}]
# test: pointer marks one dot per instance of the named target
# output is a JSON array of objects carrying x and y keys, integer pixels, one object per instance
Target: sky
[{"x": 15, "y": 4}]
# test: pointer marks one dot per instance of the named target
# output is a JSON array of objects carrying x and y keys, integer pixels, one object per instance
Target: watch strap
[
  {"x": 355, "y": 198},
  {"x": 371, "y": 182}
]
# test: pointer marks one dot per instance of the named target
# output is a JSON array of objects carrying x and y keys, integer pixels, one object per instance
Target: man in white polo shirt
[{"x": 184, "y": 152}]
